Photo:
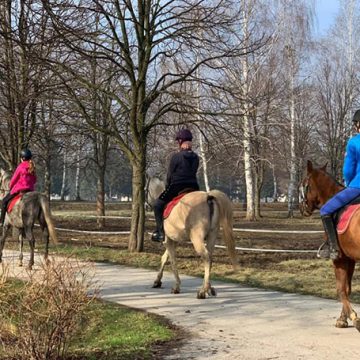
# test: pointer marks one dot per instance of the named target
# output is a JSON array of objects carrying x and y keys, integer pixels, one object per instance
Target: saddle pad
[
  {"x": 13, "y": 201},
  {"x": 171, "y": 205},
  {"x": 346, "y": 217}
]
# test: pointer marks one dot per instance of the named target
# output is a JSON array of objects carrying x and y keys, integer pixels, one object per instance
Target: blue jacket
[{"x": 351, "y": 170}]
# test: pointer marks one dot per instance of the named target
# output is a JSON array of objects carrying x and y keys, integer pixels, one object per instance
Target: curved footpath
[{"x": 240, "y": 323}]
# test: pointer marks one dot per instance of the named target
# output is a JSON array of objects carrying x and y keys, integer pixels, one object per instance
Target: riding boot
[
  {"x": 4, "y": 205},
  {"x": 330, "y": 248},
  {"x": 158, "y": 235}
]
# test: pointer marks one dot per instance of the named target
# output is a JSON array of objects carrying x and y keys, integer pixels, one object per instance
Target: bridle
[{"x": 303, "y": 192}]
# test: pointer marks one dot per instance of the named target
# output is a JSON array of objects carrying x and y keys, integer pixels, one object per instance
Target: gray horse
[{"x": 32, "y": 206}]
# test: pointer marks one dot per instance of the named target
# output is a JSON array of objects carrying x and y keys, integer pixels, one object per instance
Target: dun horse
[
  {"x": 32, "y": 206},
  {"x": 316, "y": 188},
  {"x": 198, "y": 216}
]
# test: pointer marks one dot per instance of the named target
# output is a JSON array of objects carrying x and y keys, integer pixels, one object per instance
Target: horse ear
[
  {"x": 309, "y": 166},
  {"x": 324, "y": 167}
]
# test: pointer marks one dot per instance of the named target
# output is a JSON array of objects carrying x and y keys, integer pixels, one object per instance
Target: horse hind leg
[
  {"x": 21, "y": 245},
  {"x": 344, "y": 269},
  {"x": 30, "y": 236},
  {"x": 205, "y": 251}
]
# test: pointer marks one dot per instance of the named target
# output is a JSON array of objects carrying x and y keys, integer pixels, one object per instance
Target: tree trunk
[
  {"x": 64, "y": 176},
  {"x": 77, "y": 178},
  {"x": 204, "y": 162},
  {"x": 250, "y": 206},
  {"x": 100, "y": 198},
  {"x": 292, "y": 182},
  {"x": 275, "y": 193},
  {"x": 250, "y": 209},
  {"x": 47, "y": 182},
  {"x": 136, "y": 241}
]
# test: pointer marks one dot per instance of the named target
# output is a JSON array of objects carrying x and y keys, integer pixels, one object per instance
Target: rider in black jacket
[{"x": 181, "y": 175}]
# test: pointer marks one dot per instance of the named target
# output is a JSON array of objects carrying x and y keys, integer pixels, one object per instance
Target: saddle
[
  {"x": 169, "y": 206},
  {"x": 343, "y": 217},
  {"x": 14, "y": 201}
]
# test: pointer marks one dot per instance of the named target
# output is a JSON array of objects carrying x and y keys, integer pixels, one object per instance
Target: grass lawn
[{"x": 107, "y": 331}]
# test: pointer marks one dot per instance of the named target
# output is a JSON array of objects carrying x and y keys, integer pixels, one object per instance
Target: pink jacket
[{"x": 22, "y": 180}]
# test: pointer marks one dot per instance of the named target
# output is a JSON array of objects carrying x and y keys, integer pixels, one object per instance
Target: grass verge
[{"x": 108, "y": 331}]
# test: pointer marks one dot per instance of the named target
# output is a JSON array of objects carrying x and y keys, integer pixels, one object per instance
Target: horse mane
[{"x": 332, "y": 177}]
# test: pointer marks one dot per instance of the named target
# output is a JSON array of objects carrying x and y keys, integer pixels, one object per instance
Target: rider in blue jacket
[{"x": 351, "y": 172}]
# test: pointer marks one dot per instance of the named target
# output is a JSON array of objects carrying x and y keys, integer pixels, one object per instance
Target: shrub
[{"x": 48, "y": 309}]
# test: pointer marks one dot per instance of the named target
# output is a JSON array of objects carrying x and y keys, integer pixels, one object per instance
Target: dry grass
[{"x": 43, "y": 315}]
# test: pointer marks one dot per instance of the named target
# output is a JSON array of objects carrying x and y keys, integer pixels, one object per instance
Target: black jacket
[{"x": 183, "y": 168}]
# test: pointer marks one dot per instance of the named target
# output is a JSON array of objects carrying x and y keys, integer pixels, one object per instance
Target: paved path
[{"x": 240, "y": 323}]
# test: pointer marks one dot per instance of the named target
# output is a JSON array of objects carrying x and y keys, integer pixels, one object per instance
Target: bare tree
[
  {"x": 22, "y": 79},
  {"x": 151, "y": 48}
]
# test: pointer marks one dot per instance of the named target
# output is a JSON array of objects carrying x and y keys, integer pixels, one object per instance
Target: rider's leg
[
  {"x": 4, "y": 206},
  {"x": 331, "y": 251},
  {"x": 158, "y": 234},
  {"x": 330, "y": 248}
]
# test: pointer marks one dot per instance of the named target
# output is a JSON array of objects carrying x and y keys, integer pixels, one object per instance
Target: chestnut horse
[
  {"x": 316, "y": 189},
  {"x": 198, "y": 216}
]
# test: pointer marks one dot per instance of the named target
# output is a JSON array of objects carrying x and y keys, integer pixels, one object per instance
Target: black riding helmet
[
  {"x": 356, "y": 117},
  {"x": 184, "y": 135},
  {"x": 25, "y": 154}
]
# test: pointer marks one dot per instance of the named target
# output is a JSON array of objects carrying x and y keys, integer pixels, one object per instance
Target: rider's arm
[
  {"x": 172, "y": 166},
  {"x": 349, "y": 169},
  {"x": 15, "y": 177}
]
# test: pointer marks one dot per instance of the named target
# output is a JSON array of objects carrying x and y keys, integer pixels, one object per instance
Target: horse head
[
  {"x": 154, "y": 187},
  {"x": 316, "y": 188},
  {"x": 5, "y": 177}
]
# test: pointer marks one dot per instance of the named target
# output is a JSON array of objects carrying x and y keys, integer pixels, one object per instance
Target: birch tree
[{"x": 294, "y": 29}]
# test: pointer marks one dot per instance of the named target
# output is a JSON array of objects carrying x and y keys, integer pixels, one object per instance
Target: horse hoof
[
  {"x": 356, "y": 323},
  {"x": 201, "y": 294},
  {"x": 175, "y": 291},
  {"x": 341, "y": 324},
  {"x": 213, "y": 291},
  {"x": 157, "y": 284},
  {"x": 20, "y": 264}
]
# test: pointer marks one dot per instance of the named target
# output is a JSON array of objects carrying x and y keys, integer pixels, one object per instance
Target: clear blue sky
[{"x": 326, "y": 11}]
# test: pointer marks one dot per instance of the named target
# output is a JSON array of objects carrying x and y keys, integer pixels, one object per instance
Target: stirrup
[
  {"x": 157, "y": 236},
  {"x": 324, "y": 252}
]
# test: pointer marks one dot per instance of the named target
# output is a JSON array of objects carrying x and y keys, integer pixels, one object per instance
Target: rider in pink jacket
[{"x": 23, "y": 180}]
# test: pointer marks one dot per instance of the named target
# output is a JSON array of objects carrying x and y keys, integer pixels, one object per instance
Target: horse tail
[
  {"x": 226, "y": 221},
  {"x": 47, "y": 215}
]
